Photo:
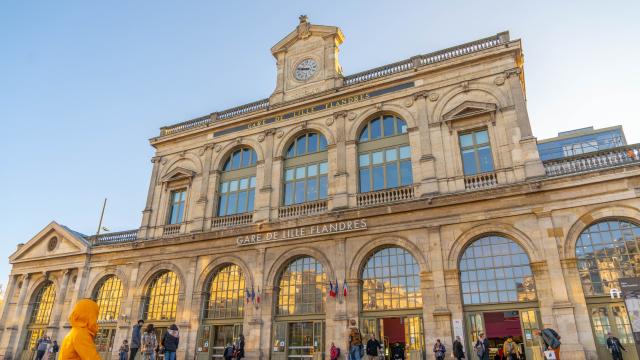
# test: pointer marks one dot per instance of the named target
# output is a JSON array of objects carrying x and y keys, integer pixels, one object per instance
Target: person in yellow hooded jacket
[{"x": 78, "y": 344}]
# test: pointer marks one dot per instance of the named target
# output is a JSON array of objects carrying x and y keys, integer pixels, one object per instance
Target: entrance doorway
[
  {"x": 104, "y": 342},
  {"x": 298, "y": 340},
  {"x": 498, "y": 326},
  {"x": 612, "y": 317},
  {"x": 397, "y": 334},
  {"x": 213, "y": 339}
]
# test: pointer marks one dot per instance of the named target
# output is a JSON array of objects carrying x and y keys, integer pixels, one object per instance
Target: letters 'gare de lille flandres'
[{"x": 409, "y": 198}]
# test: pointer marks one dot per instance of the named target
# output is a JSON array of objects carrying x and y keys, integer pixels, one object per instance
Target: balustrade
[
  {"x": 114, "y": 238},
  {"x": 171, "y": 229},
  {"x": 304, "y": 209},
  {"x": 231, "y": 220},
  {"x": 480, "y": 181},
  {"x": 386, "y": 196},
  {"x": 593, "y": 160}
]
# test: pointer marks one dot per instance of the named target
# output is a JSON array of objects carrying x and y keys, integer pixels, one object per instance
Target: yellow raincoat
[{"x": 78, "y": 344}]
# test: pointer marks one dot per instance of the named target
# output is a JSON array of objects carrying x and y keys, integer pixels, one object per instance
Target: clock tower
[{"x": 307, "y": 61}]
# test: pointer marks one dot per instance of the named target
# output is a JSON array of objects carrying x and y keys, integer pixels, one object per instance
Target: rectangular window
[
  {"x": 176, "y": 206},
  {"x": 475, "y": 150}
]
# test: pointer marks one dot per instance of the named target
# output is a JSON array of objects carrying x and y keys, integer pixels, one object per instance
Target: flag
[
  {"x": 332, "y": 292},
  {"x": 248, "y": 295},
  {"x": 258, "y": 296},
  {"x": 344, "y": 288},
  {"x": 253, "y": 295}
]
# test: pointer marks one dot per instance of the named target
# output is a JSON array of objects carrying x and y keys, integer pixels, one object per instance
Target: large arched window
[
  {"x": 606, "y": 251},
  {"x": 108, "y": 296},
  {"x": 302, "y": 288},
  {"x": 40, "y": 306},
  {"x": 305, "y": 169},
  {"x": 384, "y": 155},
  {"x": 494, "y": 269},
  {"x": 238, "y": 183},
  {"x": 161, "y": 302},
  {"x": 391, "y": 281},
  {"x": 226, "y": 290}
]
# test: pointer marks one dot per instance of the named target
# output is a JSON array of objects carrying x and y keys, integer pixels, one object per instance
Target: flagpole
[{"x": 104, "y": 205}]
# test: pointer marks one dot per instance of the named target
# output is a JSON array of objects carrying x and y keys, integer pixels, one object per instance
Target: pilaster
[
  {"x": 428, "y": 182},
  {"x": 264, "y": 178},
  {"x": 58, "y": 307},
  {"x": 202, "y": 197},
  {"x": 146, "y": 213},
  {"x": 338, "y": 185}
]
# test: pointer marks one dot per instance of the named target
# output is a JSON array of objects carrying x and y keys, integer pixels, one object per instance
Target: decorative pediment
[
  {"x": 469, "y": 109},
  {"x": 305, "y": 30},
  {"x": 178, "y": 174},
  {"x": 53, "y": 241}
]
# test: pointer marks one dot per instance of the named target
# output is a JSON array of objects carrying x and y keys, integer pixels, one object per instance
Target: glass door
[
  {"x": 104, "y": 342},
  {"x": 397, "y": 334},
  {"x": 305, "y": 340},
  {"x": 530, "y": 320},
  {"x": 612, "y": 318},
  {"x": 222, "y": 335}
]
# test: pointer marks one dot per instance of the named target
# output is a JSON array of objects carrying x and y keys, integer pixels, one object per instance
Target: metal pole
[{"x": 101, "y": 216}]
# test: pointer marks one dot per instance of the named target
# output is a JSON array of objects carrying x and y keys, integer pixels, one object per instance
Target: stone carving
[
  {"x": 218, "y": 148},
  {"x": 408, "y": 102},
  {"x": 304, "y": 28},
  {"x": 53, "y": 243},
  {"x": 261, "y": 137},
  {"x": 465, "y": 86},
  {"x": 434, "y": 96},
  {"x": 329, "y": 121},
  {"x": 499, "y": 80},
  {"x": 352, "y": 116},
  {"x": 280, "y": 134}
]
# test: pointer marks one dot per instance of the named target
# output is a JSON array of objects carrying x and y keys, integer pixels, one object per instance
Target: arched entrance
[
  {"x": 161, "y": 301},
  {"x": 499, "y": 295},
  {"x": 298, "y": 327},
  {"x": 607, "y": 251},
  {"x": 391, "y": 302},
  {"x": 108, "y": 296},
  {"x": 223, "y": 312},
  {"x": 40, "y": 309}
]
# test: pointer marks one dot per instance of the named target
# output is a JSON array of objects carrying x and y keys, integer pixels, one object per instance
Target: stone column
[
  {"x": 148, "y": 208},
  {"x": 253, "y": 326},
  {"x": 275, "y": 191},
  {"x": 581, "y": 312},
  {"x": 428, "y": 181},
  {"x": 264, "y": 176},
  {"x": 183, "y": 317},
  {"x": 58, "y": 306},
  {"x": 351, "y": 152},
  {"x": 5, "y": 321},
  {"x": 200, "y": 215},
  {"x": 438, "y": 289},
  {"x": 11, "y": 334},
  {"x": 340, "y": 196}
]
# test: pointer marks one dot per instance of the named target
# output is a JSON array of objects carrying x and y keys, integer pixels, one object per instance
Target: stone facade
[{"x": 440, "y": 95}]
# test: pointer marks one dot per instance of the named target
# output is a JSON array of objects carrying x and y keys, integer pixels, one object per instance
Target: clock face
[{"x": 305, "y": 69}]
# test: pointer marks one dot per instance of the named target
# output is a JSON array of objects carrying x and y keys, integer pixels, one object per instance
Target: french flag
[
  {"x": 344, "y": 288},
  {"x": 248, "y": 295},
  {"x": 332, "y": 291},
  {"x": 253, "y": 295}
]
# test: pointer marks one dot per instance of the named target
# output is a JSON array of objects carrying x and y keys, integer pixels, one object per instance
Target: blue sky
[{"x": 84, "y": 84}]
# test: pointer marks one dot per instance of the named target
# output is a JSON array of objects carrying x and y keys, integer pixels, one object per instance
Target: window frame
[
  {"x": 172, "y": 191},
  {"x": 119, "y": 288},
  {"x": 475, "y": 146},
  {"x": 238, "y": 174},
  {"x": 308, "y": 159},
  {"x": 148, "y": 296},
  {"x": 236, "y": 312}
]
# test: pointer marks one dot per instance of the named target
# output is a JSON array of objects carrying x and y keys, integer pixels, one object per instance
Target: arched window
[
  {"x": 384, "y": 155},
  {"x": 226, "y": 291},
  {"x": 305, "y": 169},
  {"x": 238, "y": 183},
  {"x": 162, "y": 297},
  {"x": 108, "y": 296},
  {"x": 494, "y": 269},
  {"x": 391, "y": 281},
  {"x": 41, "y": 306},
  {"x": 606, "y": 251},
  {"x": 302, "y": 288}
]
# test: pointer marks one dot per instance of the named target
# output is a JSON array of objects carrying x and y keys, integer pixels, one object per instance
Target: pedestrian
[
  {"x": 123, "y": 353},
  {"x": 149, "y": 343},
  {"x": 481, "y": 347},
  {"x": 334, "y": 352},
  {"x": 55, "y": 349},
  {"x": 550, "y": 339},
  {"x": 239, "y": 351},
  {"x": 355, "y": 342},
  {"x": 136, "y": 337},
  {"x": 228, "y": 352},
  {"x": 78, "y": 344},
  {"x": 41, "y": 348},
  {"x": 373, "y": 345},
  {"x": 397, "y": 351},
  {"x": 170, "y": 342},
  {"x": 439, "y": 350},
  {"x": 615, "y": 347},
  {"x": 457, "y": 349},
  {"x": 511, "y": 349},
  {"x": 49, "y": 351}
]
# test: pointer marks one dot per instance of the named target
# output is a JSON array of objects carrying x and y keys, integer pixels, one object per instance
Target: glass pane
[
  {"x": 312, "y": 141},
  {"x": 391, "y": 155},
  {"x": 288, "y": 193},
  {"x": 364, "y": 135},
  {"x": 377, "y": 157},
  {"x": 405, "y": 152},
  {"x": 226, "y": 292},
  {"x": 323, "y": 187},
  {"x": 388, "y": 125},
  {"x": 466, "y": 140},
  {"x": 242, "y": 202},
  {"x": 236, "y": 160},
  {"x": 469, "y": 162},
  {"x": 291, "y": 152},
  {"x": 288, "y": 174},
  {"x": 225, "y": 187},
  {"x": 312, "y": 189},
  {"x": 231, "y": 207},
  {"x": 486, "y": 161},
  {"x": 299, "y": 196},
  {"x": 376, "y": 131},
  {"x": 324, "y": 168},
  {"x": 233, "y": 185},
  {"x": 482, "y": 137},
  {"x": 222, "y": 205},
  {"x": 392, "y": 175},
  {"x": 246, "y": 157},
  {"x": 363, "y": 159},
  {"x": 252, "y": 182},
  {"x": 323, "y": 142},
  {"x": 302, "y": 289},
  {"x": 406, "y": 176},
  {"x": 364, "y": 180},
  {"x": 251, "y": 196},
  {"x": 301, "y": 145},
  {"x": 300, "y": 172},
  {"x": 402, "y": 126},
  {"x": 378, "y": 178},
  {"x": 244, "y": 183},
  {"x": 312, "y": 170}
]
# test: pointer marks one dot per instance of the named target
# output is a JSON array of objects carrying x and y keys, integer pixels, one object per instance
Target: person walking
[
  {"x": 149, "y": 343},
  {"x": 239, "y": 352},
  {"x": 228, "y": 352},
  {"x": 334, "y": 352},
  {"x": 123, "y": 352},
  {"x": 170, "y": 342},
  {"x": 78, "y": 344},
  {"x": 355, "y": 342},
  {"x": 481, "y": 347},
  {"x": 136, "y": 337},
  {"x": 41, "y": 348},
  {"x": 439, "y": 350},
  {"x": 373, "y": 345},
  {"x": 615, "y": 347},
  {"x": 55, "y": 348},
  {"x": 49, "y": 351},
  {"x": 550, "y": 339},
  {"x": 457, "y": 349},
  {"x": 511, "y": 349}
]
